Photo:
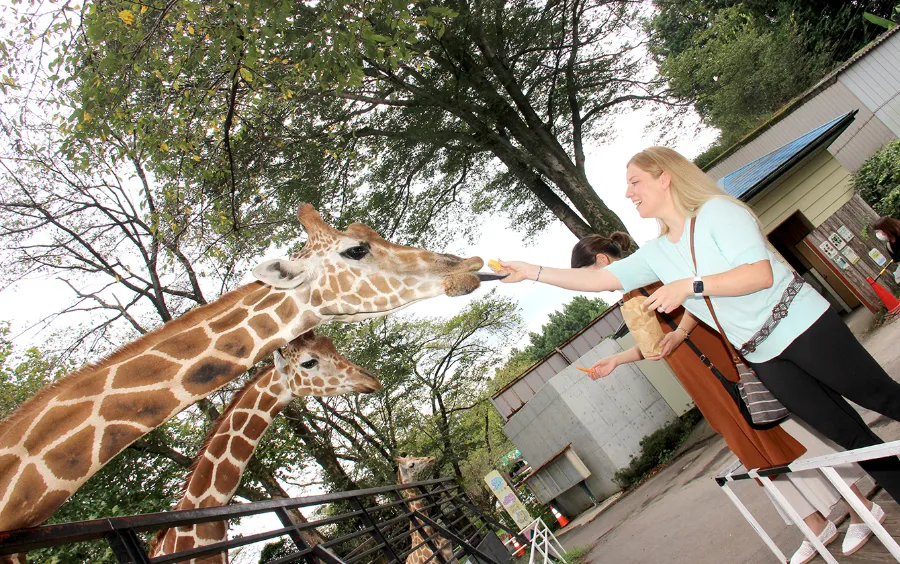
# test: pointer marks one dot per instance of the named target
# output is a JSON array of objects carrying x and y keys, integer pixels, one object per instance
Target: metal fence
[
  {"x": 824, "y": 464},
  {"x": 371, "y": 526}
]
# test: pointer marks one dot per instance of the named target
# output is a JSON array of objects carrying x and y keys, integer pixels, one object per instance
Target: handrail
[{"x": 369, "y": 517}]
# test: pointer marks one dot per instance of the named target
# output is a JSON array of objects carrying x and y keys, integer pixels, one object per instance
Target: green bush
[
  {"x": 657, "y": 448},
  {"x": 878, "y": 180}
]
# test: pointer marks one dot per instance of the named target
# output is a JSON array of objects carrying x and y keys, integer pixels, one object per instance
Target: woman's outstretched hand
[
  {"x": 517, "y": 270},
  {"x": 603, "y": 367},
  {"x": 669, "y": 297}
]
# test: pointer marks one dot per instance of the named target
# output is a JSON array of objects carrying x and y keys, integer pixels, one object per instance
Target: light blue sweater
[{"x": 726, "y": 236}]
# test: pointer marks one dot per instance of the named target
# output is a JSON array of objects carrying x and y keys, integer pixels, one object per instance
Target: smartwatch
[{"x": 698, "y": 287}]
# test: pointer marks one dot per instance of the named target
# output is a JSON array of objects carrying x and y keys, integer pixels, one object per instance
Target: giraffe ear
[
  {"x": 281, "y": 365},
  {"x": 281, "y": 273}
]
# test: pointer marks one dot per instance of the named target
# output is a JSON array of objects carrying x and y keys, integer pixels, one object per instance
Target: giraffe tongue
[{"x": 488, "y": 276}]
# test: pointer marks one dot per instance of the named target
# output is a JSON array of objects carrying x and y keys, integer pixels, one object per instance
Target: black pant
[{"x": 823, "y": 364}]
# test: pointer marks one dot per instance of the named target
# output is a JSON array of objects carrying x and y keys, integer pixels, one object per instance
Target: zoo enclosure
[{"x": 362, "y": 526}]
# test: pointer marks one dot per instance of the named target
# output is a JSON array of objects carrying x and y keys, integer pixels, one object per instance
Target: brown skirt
[{"x": 755, "y": 449}]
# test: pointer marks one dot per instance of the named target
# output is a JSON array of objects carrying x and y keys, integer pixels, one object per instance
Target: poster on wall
[
  {"x": 850, "y": 255},
  {"x": 845, "y": 233},
  {"x": 876, "y": 255},
  {"x": 841, "y": 262},
  {"x": 837, "y": 241},
  {"x": 828, "y": 249},
  {"x": 508, "y": 499}
]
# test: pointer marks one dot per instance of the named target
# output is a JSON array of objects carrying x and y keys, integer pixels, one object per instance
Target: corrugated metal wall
[{"x": 517, "y": 393}]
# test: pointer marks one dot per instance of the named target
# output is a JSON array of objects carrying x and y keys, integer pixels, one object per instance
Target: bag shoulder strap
[
  {"x": 691, "y": 345},
  {"x": 731, "y": 351}
]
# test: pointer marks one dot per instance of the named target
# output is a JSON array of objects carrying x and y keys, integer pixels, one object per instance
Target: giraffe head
[
  {"x": 313, "y": 367},
  {"x": 355, "y": 274},
  {"x": 412, "y": 468}
]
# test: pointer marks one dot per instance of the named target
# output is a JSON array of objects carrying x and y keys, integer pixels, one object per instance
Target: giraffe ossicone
[
  {"x": 307, "y": 366},
  {"x": 63, "y": 435}
]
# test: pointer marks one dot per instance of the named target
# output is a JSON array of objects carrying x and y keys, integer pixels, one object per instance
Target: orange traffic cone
[
  {"x": 519, "y": 550},
  {"x": 890, "y": 302},
  {"x": 559, "y": 517}
]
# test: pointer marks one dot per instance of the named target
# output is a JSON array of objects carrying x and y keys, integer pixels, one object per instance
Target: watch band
[{"x": 698, "y": 287}]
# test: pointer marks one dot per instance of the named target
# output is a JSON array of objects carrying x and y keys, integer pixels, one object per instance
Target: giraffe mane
[
  {"x": 213, "y": 431},
  {"x": 146, "y": 341}
]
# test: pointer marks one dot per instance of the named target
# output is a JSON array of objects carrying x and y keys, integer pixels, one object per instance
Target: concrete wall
[
  {"x": 518, "y": 392},
  {"x": 663, "y": 379},
  {"x": 604, "y": 421}
]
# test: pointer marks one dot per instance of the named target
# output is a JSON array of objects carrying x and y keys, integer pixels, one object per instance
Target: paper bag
[{"x": 643, "y": 325}]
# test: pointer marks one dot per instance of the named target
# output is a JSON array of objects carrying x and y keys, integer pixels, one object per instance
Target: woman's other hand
[
  {"x": 668, "y": 344},
  {"x": 669, "y": 297},
  {"x": 518, "y": 271},
  {"x": 603, "y": 367}
]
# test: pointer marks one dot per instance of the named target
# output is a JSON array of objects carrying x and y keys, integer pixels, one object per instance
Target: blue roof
[{"x": 745, "y": 179}]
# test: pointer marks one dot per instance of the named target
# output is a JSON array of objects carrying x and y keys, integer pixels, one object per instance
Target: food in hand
[
  {"x": 495, "y": 265},
  {"x": 588, "y": 370}
]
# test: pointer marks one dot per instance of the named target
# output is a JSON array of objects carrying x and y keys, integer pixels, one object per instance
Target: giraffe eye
[
  {"x": 357, "y": 252},
  {"x": 309, "y": 364}
]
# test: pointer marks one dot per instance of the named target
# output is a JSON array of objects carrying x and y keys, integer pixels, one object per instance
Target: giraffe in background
[
  {"x": 411, "y": 469},
  {"x": 64, "y": 434},
  {"x": 307, "y": 366}
]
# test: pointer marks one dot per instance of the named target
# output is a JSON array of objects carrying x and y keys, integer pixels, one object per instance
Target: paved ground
[{"x": 680, "y": 515}]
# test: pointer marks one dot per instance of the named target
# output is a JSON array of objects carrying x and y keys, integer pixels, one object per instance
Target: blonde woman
[
  {"x": 808, "y": 492},
  {"x": 809, "y": 359}
]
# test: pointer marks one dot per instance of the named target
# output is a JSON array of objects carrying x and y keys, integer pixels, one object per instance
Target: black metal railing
[{"x": 371, "y": 526}]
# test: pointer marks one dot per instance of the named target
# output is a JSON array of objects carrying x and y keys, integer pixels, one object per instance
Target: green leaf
[
  {"x": 885, "y": 23},
  {"x": 246, "y": 74}
]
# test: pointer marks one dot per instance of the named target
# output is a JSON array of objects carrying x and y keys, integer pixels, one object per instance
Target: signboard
[
  {"x": 841, "y": 262},
  {"x": 508, "y": 499},
  {"x": 850, "y": 255},
  {"x": 828, "y": 249},
  {"x": 879, "y": 259},
  {"x": 845, "y": 233},
  {"x": 837, "y": 241}
]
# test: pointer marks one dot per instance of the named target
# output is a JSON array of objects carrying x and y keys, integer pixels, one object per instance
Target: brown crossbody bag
[{"x": 764, "y": 410}]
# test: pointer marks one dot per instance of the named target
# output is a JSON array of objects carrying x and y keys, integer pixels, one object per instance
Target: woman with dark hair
[
  {"x": 810, "y": 494},
  {"x": 887, "y": 229}
]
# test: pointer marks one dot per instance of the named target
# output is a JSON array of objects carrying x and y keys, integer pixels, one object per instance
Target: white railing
[
  {"x": 825, "y": 465},
  {"x": 542, "y": 541}
]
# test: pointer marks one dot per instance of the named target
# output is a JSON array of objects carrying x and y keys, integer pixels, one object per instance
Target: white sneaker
[
  {"x": 858, "y": 534},
  {"x": 807, "y": 552}
]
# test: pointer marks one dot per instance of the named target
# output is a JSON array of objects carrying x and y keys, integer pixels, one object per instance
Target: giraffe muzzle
[{"x": 368, "y": 386}]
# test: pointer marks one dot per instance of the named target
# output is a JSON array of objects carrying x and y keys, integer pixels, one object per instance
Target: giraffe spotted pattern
[
  {"x": 307, "y": 366},
  {"x": 411, "y": 469},
  {"x": 58, "y": 439}
]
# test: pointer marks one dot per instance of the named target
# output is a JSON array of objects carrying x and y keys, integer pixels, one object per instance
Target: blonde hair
[{"x": 690, "y": 186}]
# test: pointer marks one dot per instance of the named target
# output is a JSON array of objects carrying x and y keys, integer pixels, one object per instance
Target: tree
[
  {"x": 435, "y": 389},
  {"x": 877, "y": 181},
  {"x": 562, "y": 324},
  {"x": 738, "y": 62},
  {"x": 136, "y": 251},
  {"x": 412, "y": 116}
]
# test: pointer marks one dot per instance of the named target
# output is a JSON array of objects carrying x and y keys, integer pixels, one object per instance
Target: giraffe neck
[
  {"x": 224, "y": 456},
  {"x": 58, "y": 439},
  {"x": 423, "y": 554}
]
